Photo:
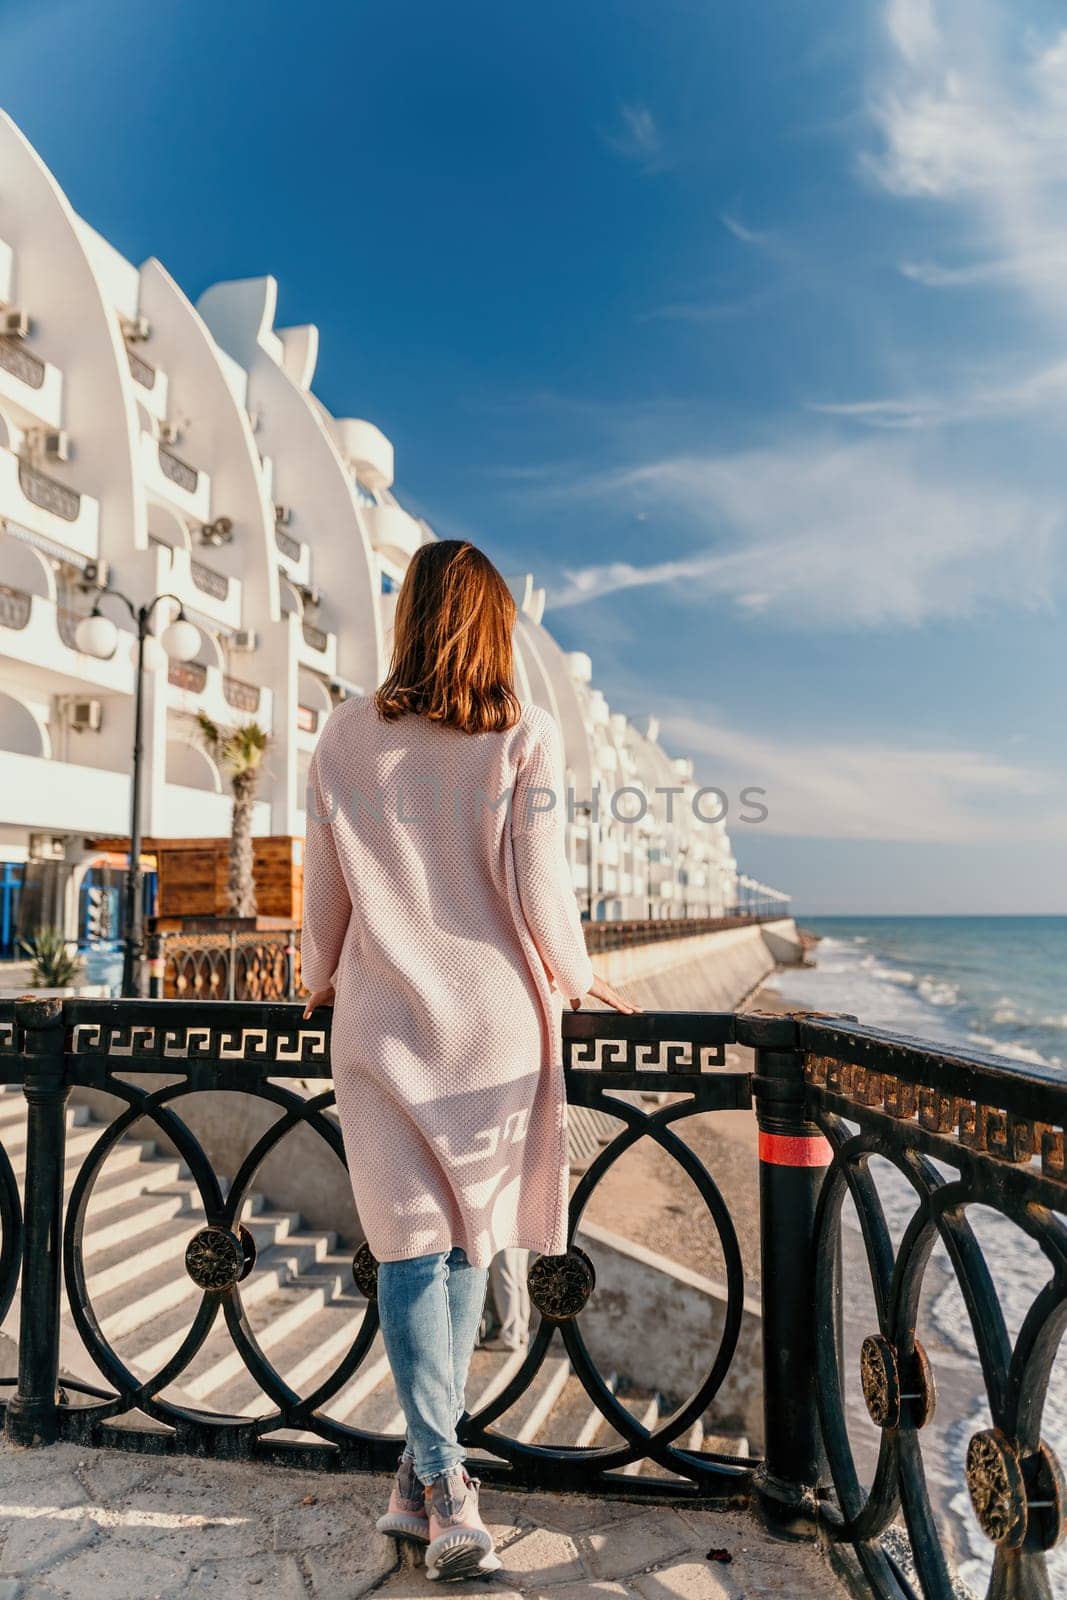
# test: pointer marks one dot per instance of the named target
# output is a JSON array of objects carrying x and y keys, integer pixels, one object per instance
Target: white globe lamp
[
  {"x": 181, "y": 640},
  {"x": 96, "y": 636}
]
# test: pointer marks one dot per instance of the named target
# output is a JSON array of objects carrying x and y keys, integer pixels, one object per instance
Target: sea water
[{"x": 992, "y": 984}]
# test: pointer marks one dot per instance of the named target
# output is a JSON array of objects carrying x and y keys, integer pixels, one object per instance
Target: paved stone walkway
[{"x": 104, "y": 1525}]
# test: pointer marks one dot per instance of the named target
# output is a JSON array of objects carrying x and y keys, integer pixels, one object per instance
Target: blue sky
[{"x": 743, "y": 328}]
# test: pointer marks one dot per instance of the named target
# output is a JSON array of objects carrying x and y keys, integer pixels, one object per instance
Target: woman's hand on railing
[
  {"x": 321, "y": 997},
  {"x": 601, "y": 989}
]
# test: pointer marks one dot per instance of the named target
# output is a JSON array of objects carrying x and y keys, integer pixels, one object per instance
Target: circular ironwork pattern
[
  {"x": 365, "y": 1272},
  {"x": 218, "y": 1258},
  {"x": 560, "y": 1285},
  {"x": 996, "y": 1486}
]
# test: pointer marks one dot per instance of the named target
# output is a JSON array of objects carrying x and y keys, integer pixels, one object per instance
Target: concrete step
[
  {"x": 126, "y": 1153},
  {"x": 159, "y": 1310},
  {"x": 645, "y": 1408},
  {"x": 295, "y": 1305},
  {"x": 575, "y": 1421},
  {"x": 13, "y": 1130},
  {"x": 126, "y": 1181},
  {"x": 126, "y": 1222},
  {"x": 359, "y": 1403},
  {"x": 524, "y": 1419}
]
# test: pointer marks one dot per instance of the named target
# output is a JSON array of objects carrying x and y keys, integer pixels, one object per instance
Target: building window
[
  {"x": 10, "y": 888},
  {"x": 389, "y": 584}
]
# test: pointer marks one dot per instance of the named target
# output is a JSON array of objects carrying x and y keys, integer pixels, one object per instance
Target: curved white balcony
[
  {"x": 34, "y": 499},
  {"x": 176, "y": 482},
  {"x": 45, "y": 794},
  {"x": 192, "y": 686},
  {"x": 366, "y": 449},
  {"x": 196, "y": 580},
  {"x": 38, "y": 634},
  {"x": 294, "y": 556},
  {"x": 30, "y": 387},
  {"x": 392, "y": 531},
  {"x": 316, "y": 647},
  {"x": 151, "y": 381}
]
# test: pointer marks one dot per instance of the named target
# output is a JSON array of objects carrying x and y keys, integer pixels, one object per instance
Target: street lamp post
[{"x": 97, "y": 635}]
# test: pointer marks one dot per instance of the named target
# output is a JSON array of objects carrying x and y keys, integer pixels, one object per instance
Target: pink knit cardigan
[{"x": 437, "y": 900}]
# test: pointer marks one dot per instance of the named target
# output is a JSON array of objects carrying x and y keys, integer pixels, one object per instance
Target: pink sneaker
[
  {"x": 461, "y": 1546},
  {"x": 406, "y": 1515}
]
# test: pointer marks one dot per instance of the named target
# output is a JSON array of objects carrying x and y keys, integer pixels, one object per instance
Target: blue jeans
[{"x": 430, "y": 1309}]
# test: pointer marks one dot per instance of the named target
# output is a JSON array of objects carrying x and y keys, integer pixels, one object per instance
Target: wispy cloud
[
  {"x": 1042, "y": 264},
  {"x": 972, "y": 110},
  {"x": 844, "y": 789},
  {"x": 637, "y": 136},
  {"x": 830, "y": 535},
  {"x": 1043, "y": 391},
  {"x": 740, "y": 231}
]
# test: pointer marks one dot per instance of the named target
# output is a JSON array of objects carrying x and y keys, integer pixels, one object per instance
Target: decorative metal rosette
[
  {"x": 560, "y": 1285},
  {"x": 883, "y": 1384},
  {"x": 365, "y": 1272},
  {"x": 217, "y": 1259},
  {"x": 997, "y": 1487},
  {"x": 1015, "y": 1502}
]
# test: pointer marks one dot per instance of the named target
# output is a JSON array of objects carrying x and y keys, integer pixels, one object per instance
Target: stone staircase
[{"x": 300, "y": 1302}]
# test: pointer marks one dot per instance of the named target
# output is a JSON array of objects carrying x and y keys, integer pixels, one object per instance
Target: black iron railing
[
  {"x": 962, "y": 1131},
  {"x": 619, "y": 933}
]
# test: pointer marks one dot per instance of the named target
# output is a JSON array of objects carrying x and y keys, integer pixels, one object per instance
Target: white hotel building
[{"x": 151, "y": 445}]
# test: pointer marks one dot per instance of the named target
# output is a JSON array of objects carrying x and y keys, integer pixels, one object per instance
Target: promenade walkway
[{"x": 106, "y": 1525}]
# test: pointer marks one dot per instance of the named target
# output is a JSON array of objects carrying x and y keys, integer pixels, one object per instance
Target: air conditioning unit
[
  {"x": 86, "y": 716},
  {"x": 96, "y": 574},
  {"x": 56, "y": 446},
  {"x": 283, "y": 516},
  {"x": 243, "y": 642},
  {"x": 135, "y": 330},
  {"x": 169, "y": 432},
  {"x": 16, "y": 324},
  {"x": 47, "y": 847},
  {"x": 218, "y": 532},
  {"x": 312, "y": 596}
]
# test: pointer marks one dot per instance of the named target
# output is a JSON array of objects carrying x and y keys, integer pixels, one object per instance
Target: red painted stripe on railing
[{"x": 786, "y": 1150}]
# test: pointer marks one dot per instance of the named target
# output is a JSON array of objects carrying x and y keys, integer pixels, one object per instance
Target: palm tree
[
  {"x": 240, "y": 752},
  {"x": 54, "y": 966}
]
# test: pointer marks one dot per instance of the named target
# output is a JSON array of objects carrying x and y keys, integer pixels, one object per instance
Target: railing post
[
  {"x": 32, "y": 1412},
  {"x": 793, "y": 1156},
  {"x": 157, "y": 965}
]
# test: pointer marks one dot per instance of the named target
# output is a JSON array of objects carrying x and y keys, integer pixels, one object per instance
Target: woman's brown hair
[{"x": 452, "y": 655}]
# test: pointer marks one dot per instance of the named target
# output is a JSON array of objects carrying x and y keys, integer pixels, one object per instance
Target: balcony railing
[
  {"x": 287, "y": 544},
  {"x": 840, "y": 1110},
  {"x": 49, "y": 493},
  {"x": 208, "y": 581},
  {"x": 21, "y": 363},
  {"x": 142, "y": 371},
  {"x": 242, "y": 696},
  {"x": 177, "y": 470},
  {"x": 307, "y": 719},
  {"x": 15, "y": 607},
  {"x": 189, "y": 675},
  {"x": 618, "y": 935}
]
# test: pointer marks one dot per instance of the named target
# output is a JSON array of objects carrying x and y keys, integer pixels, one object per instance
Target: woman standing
[{"x": 440, "y": 922}]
